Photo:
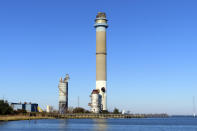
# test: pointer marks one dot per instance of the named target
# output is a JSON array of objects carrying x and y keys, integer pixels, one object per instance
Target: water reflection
[
  {"x": 2, "y": 123},
  {"x": 62, "y": 124},
  {"x": 100, "y": 124}
]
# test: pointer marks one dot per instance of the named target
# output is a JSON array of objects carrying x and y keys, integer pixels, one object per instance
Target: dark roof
[{"x": 95, "y": 92}]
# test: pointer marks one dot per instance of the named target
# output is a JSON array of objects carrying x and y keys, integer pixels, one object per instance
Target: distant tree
[
  {"x": 70, "y": 110},
  {"x": 105, "y": 112},
  {"x": 5, "y": 109},
  {"x": 78, "y": 110},
  {"x": 116, "y": 111},
  {"x": 86, "y": 111}
]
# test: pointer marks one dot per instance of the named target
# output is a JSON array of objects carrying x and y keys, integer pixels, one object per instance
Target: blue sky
[{"x": 151, "y": 45}]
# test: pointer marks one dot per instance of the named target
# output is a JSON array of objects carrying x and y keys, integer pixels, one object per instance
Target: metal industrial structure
[
  {"x": 101, "y": 77},
  {"x": 63, "y": 94}
]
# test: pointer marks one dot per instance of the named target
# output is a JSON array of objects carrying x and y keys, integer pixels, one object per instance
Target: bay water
[{"x": 134, "y": 124}]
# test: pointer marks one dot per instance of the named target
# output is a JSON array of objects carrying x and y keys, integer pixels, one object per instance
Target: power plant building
[
  {"x": 95, "y": 101},
  {"x": 63, "y": 94},
  {"x": 29, "y": 107},
  {"x": 101, "y": 76}
]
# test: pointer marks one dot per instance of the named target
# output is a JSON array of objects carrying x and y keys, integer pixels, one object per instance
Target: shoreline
[
  {"x": 77, "y": 116},
  {"x": 21, "y": 117}
]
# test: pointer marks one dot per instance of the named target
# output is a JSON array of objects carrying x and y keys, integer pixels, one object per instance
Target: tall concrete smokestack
[{"x": 101, "y": 77}]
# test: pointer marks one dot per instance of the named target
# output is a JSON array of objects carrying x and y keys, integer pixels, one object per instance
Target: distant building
[
  {"x": 123, "y": 112},
  {"x": 49, "y": 109},
  {"x": 29, "y": 107},
  {"x": 95, "y": 101},
  {"x": 16, "y": 106}
]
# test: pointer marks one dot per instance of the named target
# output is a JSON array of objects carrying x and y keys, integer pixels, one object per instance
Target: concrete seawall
[{"x": 93, "y": 116}]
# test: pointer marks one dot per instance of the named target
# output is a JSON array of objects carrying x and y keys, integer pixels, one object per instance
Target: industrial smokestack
[
  {"x": 101, "y": 77},
  {"x": 63, "y": 94}
]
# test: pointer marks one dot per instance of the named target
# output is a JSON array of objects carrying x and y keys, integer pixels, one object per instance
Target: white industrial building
[{"x": 95, "y": 101}]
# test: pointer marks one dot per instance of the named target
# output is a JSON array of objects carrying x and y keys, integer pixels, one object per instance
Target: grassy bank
[
  {"x": 32, "y": 116},
  {"x": 22, "y": 117}
]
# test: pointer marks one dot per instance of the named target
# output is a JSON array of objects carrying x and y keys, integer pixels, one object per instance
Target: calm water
[{"x": 146, "y": 124}]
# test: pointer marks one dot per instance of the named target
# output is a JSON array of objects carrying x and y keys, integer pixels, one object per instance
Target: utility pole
[
  {"x": 194, "y": 107},
  {"x": 78, "y": 101}
]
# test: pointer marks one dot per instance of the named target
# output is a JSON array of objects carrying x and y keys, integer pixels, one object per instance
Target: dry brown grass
[{"x": 21, "y": 117}]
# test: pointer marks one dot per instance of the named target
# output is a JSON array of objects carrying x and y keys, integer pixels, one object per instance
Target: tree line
[
  {"x": 82, "y": 110},
  {"x": 5, "y": 109}
]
